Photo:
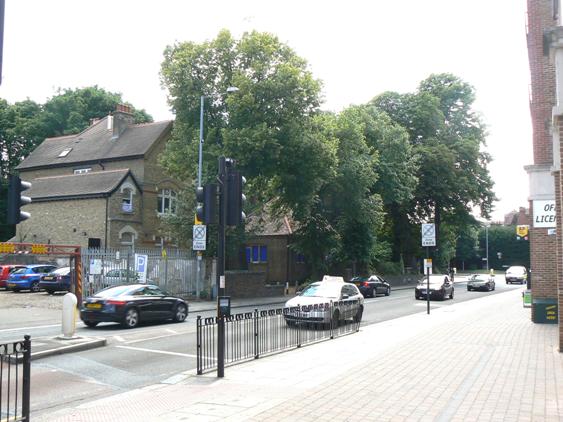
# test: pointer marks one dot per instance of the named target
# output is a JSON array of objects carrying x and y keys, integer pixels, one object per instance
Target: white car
[
  {"x": 516, "y": 274},
  {"x": 329, "y": 301}
]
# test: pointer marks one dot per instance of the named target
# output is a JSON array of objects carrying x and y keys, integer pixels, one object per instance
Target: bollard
[{"x": 69, "y": 316}]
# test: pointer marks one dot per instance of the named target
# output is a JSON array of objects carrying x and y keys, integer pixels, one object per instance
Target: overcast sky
[{"x": 359, "y": 49}]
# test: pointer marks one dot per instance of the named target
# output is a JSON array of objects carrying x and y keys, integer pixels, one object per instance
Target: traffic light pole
[{"x": 220, "y": 281}]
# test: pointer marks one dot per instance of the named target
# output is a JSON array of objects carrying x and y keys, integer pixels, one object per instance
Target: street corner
[{"x": 42, "y": 347}]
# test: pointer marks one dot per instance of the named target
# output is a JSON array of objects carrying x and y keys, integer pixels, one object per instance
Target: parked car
[
  {"x": 28, "y": 278},
  {"x": 132, "y": 303},
  {"x": 372, "y": 285},
  {"x": 516, "y": 274},
  {"x": 440, "y": 287},
  {"x": 480, "y": 282},
  {"x": 56, "y": 281},
  {"x": 5, "y": 271},
  {"x": 313, "y": 305}
]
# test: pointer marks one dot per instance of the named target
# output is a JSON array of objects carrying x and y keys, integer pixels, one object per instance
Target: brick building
[
  {"x": 544, "y": 174},
  {"x": 102, "y": 187}
]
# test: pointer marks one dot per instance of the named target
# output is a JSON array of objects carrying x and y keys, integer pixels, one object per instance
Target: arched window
[
  {"x": 166, "y": 203},
  {"x": 127, "y": 193}
]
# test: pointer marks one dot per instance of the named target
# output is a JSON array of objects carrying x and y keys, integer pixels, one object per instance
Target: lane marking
[
  {"x": 142, "y": 349},
  {"x": 119, "y": 338},
  {"x": 6, "y": 330},
  {"x": 171, "y": 331},
  {"x": 151, "y": 338}
]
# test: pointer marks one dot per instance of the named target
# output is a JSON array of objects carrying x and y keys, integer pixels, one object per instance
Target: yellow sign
[
  {"x": 164, "y": 254},
  {"x": 7, "y": 248},
  {"x": 196, "y": 221},
  {"x": 39, "y": 249},
  {"x": 522, "y": 230}
]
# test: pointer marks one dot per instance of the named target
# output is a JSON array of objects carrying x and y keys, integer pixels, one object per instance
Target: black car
[
  {"x": 56, "y": 281},
  {"x": 131, "y": 304},
  {"x": 441, "y": 287},
  {"x": 372, "y": 285}
]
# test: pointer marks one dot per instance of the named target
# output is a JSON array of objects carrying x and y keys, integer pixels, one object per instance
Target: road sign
[
  {"x": 199, "y": 237},
  {"x": 141, "y": 266},
  {"x": 428, "y": 235}
]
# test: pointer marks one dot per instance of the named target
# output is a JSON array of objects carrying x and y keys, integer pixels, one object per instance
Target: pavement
[{"x": 478, "y": 360}]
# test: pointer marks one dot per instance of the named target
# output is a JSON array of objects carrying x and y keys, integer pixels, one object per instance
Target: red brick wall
[
  {"x": 540, "y": 18},
  {"x": 559, "y": 292}
]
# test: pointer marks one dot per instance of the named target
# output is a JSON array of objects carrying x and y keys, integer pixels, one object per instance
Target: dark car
[
  {"x": 131, "y": 304},
  {"x": 480, "y": 282},
  {"x": 27, "y": 278},
  {"x": 441, "y": 287},
  {"x": 372, "y": 285},
  {"x": 56, "y": 281},
  {"x": 5, "y": 271}
]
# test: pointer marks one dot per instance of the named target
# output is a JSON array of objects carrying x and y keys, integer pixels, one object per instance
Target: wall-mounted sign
[
  {"x": 522, "y": 230},
  {"x": 544, "y": 213}
]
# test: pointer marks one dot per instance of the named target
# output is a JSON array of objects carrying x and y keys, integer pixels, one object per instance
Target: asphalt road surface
[{"x": 155, "y": 353}]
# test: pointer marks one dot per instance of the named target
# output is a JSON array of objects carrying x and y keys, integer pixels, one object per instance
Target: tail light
[
  {"x": 365, "y": 284},
  {"x": 116, "y": 302}
]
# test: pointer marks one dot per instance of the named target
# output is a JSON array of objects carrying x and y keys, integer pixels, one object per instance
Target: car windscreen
[
  {"x": 115, "y": 291},
  {"x": 478, "y": 279},
  {"x": 438, "y": 281},
  {"x": 61, "y": 271},
  {"x": 322, "y": 290}
]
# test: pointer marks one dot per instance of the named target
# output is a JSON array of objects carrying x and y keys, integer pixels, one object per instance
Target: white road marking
[
  {"x": 6, "y": 330},
  {"x": 119, "y": 338},
  {"x": 171, "y": 331},
  {"x": 151, "y": 338},
  {"x": 141, "y": 349}
]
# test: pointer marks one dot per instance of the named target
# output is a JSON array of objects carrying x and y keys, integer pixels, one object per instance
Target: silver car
[
  {"x": 330, "y": 301},
  {"x": 441, "y": 287}
]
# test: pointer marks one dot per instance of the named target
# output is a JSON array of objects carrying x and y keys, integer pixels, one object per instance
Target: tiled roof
[
  {"x": 97, "y": 183},
  {"x": 264, "y": 223},
  {"x": 95, "y": 143}
]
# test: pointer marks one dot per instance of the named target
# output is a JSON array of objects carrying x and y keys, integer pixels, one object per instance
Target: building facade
[{"x": 102, "y": 187}]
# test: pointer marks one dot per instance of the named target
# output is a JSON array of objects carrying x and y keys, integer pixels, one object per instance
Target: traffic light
[
  {"x": 499, "y": 255},
  {"x": 207, "y": 208},
  {"x": 16, "y": 200},
  {"x": 235, "y": 198}
]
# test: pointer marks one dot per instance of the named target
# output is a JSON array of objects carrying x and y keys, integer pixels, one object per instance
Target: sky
[{"x": 358, "y": 49}]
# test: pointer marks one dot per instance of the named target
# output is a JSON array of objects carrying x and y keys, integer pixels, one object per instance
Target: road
[{"x": 157, "y": 353}]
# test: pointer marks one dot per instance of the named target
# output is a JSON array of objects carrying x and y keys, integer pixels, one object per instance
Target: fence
[
  {"x": 251, "y": 335},
  {"x": 15, "y": 378},
  {"x": 176, "y": 271}
]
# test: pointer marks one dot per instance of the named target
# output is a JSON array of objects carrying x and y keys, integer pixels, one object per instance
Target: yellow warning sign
[
  {"x": 522, "y": 230},
  {"x": 39, "y": 249},
  {"x": 7, "y": 248}
]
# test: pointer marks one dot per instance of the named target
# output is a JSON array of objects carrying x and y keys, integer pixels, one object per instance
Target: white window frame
[{"x": 172, "y": 198}]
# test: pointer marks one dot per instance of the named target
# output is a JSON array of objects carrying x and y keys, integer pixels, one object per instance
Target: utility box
[
  {"x": 545, "y": 310},
  {"x": 527, "y": 298}
]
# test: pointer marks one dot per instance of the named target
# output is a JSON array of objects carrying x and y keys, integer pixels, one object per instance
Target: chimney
[{"x": 121, "y": 119}]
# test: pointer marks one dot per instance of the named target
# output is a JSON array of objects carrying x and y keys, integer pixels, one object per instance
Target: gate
[
  {"x": 175, "y": 271},
  {"x": 15, "y": 379}
]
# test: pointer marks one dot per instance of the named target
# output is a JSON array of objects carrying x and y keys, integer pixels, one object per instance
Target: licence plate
[
  {"x": 48, "y": 278},
  {"x": 11, "y": 285},
  {"x": 94, "y": 306}
]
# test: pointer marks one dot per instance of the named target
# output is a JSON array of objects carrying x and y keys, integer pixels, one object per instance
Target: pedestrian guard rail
[
  {"x": 15, "y": 379},
  {"x": 251, "y": 335}
]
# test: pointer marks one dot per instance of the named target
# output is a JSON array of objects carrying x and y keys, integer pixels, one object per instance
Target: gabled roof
[
  {"x": 265, "y": 223},
  {"x": 97, "y": 183},
  {"x": 95, "y": 143}
]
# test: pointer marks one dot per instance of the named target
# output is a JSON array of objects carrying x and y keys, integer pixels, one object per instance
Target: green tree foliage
[
  {"x": 503, "y": 239},
  {"x": 447, "y": 137}
]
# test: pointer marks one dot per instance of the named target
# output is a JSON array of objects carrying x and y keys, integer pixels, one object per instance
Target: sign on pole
[
  {"x": 141, "y": 266},
  {"x": 199, "y": 237},
  {"x": 428, "y": 234}
]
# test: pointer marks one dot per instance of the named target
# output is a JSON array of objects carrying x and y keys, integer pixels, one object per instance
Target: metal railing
[
  {"x": 251, "y": 335},
  {"x": 15, "y": 380}
]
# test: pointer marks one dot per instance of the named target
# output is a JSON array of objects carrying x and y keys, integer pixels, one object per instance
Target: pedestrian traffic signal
[
  {"x": 207, "y": 208},
  {"x": 16, "y": 200},
  {"x": 236, "y": 199}
]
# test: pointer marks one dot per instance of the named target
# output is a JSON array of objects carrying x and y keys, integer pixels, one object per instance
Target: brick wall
[
  {"x": 559, "y": 247},
  {"x": 243, "y": 284}
]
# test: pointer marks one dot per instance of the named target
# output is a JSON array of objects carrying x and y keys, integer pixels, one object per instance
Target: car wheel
[
  {"x": 50, "y": 292},
  {"x": 131, "y": 318},
  {"x": 373, "y": 292},
  {"x": 469, "y": 289},
  {"x": 359, "y": 313},
  {"x": 388, "y": 291},
  {"x": 494, "y": 286},
  {"x": 452, "y": 294},
  {"x": 181, "y": 313},
  {"x": 34, "y": 287},
  {"x": 417, "y": 297},
  {"x": 90, "y": 324}
]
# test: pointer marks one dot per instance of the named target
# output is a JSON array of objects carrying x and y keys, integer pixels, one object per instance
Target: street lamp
[{"x": 230, "y": 90}]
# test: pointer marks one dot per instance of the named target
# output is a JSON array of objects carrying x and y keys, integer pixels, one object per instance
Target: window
[
  {"x": 127, "y": 201},
  {"x": 256, "y": 254},
  {"x": 82, "y": 171},
  {"x": 65, "y": 152},
  {"x": 166, "y": 202},
  {"x": 299, "y": 258}
]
